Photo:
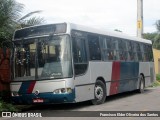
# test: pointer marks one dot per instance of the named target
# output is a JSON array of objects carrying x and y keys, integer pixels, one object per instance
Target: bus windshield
[{"x": 42, "y": 58}]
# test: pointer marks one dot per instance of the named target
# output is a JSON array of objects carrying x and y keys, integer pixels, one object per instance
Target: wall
[
  {"x": 156, "y": 54},
  {"x": 4, "y": 69}
]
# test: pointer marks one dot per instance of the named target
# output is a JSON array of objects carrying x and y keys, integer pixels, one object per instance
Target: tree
[
  {"x": 158, "y": 25},
  {"x": 9, "y": 13},
  {"x": 155, "y": 37},
  {"x": 25, "y": 22},
  {"x": 150, "y": 36},
  {"x": 11, "y": 19},
  {"x": 156, "y": 43}
]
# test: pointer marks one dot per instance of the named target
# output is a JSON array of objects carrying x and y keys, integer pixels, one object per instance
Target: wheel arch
[
  {"x": 141, "y": 74},
  {"x": 101, "y": 79}
]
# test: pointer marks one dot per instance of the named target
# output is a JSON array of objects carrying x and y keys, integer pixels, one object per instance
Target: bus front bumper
[{"x": 43, "y": 98}]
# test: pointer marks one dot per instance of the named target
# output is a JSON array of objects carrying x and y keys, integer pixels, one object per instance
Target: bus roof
[
  {"x": 105, "y": 32},
  {"x": 71, "y": 26}
]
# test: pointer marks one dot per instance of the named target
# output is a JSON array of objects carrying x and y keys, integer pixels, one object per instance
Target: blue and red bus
[{"x": 68, "y": 63}]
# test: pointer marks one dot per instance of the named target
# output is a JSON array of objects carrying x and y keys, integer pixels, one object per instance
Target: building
[{"x": 156, "y": 54}]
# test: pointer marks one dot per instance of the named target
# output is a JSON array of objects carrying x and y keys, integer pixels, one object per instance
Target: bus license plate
[{"x": 38, "y": 100}]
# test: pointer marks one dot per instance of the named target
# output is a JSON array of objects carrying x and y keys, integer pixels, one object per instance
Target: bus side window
[
  {"x": 122, "y": 50},
  {"x": 138, "y": 50},
  {"x": 94, "y": 47},
  {"x": 110, "y": 55},
  {"x": 150, "y": 53},
  {"x": 79, "y": 55},
  {"x": 130, "y": 51},
  {"x": 103, "y": 44},
  {"x": 114, "y": 48},
  {"x": 142, "y": 51},
  {"x": 145, "y": 52}
]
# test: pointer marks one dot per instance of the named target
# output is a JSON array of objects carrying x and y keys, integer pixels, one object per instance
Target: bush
[
  {"x": 158, "y": 77},
  {"x": 155, "y": 84},
  {"x": 7, "y": 107}
]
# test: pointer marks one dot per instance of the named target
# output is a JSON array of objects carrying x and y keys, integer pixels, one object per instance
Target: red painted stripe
[
  {"x": 115, "y": 76},
  {"x": 31, "y": 86}
]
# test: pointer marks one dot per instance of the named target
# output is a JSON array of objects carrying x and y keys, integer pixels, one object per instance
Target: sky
[{"x": 101, "y": 14}]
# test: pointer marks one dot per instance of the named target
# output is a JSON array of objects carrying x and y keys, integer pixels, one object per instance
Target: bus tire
[
  {"x": 99, "y": 93},
  {"x": 141, "y": 85}
]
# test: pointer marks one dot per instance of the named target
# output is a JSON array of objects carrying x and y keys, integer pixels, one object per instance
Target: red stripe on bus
[
  {"x": 115, "y": 78},
  {"x": 31, "y": 86}
]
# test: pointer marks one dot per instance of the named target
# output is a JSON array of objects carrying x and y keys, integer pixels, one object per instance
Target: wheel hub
[{"x": 98, "y": 92}]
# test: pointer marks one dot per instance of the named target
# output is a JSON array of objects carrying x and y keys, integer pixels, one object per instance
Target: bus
[{"x": 68, "y": 63}]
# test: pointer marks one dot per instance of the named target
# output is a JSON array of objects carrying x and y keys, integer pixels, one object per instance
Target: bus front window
[
  {"x": 56, "y": 58},
  {"x": 43, "y": 58},
  {"x": 24, "y": 61}
]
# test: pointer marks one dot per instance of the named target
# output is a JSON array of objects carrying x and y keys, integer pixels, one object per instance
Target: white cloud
[{"x": 103, "y": 14}]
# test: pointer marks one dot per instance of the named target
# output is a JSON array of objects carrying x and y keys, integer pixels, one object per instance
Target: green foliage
[
  {"x": 158, "y": 77},
  {"x": 149, "y": 36},
  {"x": 155, "y": 37},
  {"x": 155, "y": 84},
  {"x": 30, "y": 22},
  {"x": 9, "y": 12},
  {"x": 11, "y": 19},
  {"x": 6, "y": 107},
  {"x": 156, "y": 43},
  {"x": 158, "y": 25}
]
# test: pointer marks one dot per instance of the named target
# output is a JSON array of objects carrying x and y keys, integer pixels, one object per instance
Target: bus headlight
[
  {"x": 62, "y": 91},
  {"x": 14, "y": 93}
]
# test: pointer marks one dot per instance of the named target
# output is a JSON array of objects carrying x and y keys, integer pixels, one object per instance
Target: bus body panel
[
  {"x": 84, "y": 86},
  {"x": 101, "y": 70},
  {"x": 144, "y": 69},
  {"x": 118, "y": 78},
  {"x": 84, "y": 92}
]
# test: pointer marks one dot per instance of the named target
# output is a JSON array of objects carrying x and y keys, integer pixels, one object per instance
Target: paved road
[{"x": 130, "y": 101}]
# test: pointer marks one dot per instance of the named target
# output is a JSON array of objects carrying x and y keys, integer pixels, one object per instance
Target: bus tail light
[{"x": 62, "y": 91}]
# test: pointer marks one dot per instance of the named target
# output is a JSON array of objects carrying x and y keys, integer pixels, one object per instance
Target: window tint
[
  {"x": 104, "y": 43},
  {"x": 129, "y": 49},
  {"x": 150, "y": 53},
  {"x": 135, "y": 51},
  {"x": 138, "y": 52},
  {"x": 113, "y": 51},
  {"x": 122, "y": 49},
  {"x": 94, "y": 48},
  {"x": 79, "y": 50},
  {"x": 109, "y": 48},
  {"x": 146, "y": 57}
]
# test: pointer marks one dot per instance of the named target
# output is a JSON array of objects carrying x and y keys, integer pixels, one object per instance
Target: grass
[
  {"x": 158, "y": 77},
  {"x": 157, "y": 82},
  {"x": 7, "y": 107}
]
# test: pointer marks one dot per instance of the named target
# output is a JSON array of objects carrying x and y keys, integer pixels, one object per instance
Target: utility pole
[{"x": 139, "y": 18}]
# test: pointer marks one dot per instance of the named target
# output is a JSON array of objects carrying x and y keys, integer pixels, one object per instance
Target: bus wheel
[
  {"x": 141, "y": 85},
  {"x": 99, "y": 93}
]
